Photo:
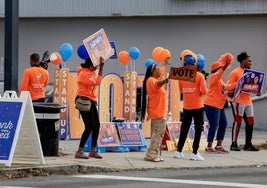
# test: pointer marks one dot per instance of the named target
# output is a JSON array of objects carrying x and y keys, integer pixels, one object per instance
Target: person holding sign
[
  {"x": 87, "y": 81},
  {"x": 192, "y": 108},
  {"x": 154, "y": 102},
  {"x": 214, "y": 106},
  {"x": 242, "y": 107},
  {"x": 35, "y": 79}
]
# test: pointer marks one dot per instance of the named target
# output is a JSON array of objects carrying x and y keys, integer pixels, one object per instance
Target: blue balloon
[
  {"x": 134, "y": 53},
  {"x": 82, "y": 52},
  {"x": 200, "y": 61},
  {"x": 149, "y": 62},
  {"x": 66, "y": 51},
  {"x": 189, "y": 60}
]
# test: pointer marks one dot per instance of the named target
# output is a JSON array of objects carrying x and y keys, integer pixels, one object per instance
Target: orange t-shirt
[
  {"x": 233, "y": 78},
  {"x": 34, "y": 80},
  {"x": 216, "y": 96},
  {"x": 193, "y": 92},
  {"x": 87, "y": 81},
  {"x": 157, "y": 101}
]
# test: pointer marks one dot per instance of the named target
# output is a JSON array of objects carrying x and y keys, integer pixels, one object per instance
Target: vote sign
[
  {"x": 185, "y": 73},
  {"x": 130, "y": 133}
]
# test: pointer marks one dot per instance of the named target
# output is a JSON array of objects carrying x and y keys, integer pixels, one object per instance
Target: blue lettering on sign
[
  {"x": 95, "y": 41},
  {"x": 9, "y": 115}
]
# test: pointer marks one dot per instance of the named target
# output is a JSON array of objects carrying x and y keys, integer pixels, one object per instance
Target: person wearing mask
[
  {"x": 35, "y": 79},
  {"x": 154, "y": 102},
  {"x": 214, "y": 102},
  {"x": 193, "y": 108},
  {"x": 87, "y": 81},
  {"x": 242, "y": 107}
]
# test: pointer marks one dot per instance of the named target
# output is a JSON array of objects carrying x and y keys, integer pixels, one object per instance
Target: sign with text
[
  {"x": 130, "y": 133},
  {"x": 97, "y": 45},
  {"x": 9, "y": 116},
  {"x": 19, "y": 138},
  {"x": 253, "y": 81},
  {"x": 108, "y": 136},
  {"x": 250, "y": 82},
  {"x": 185, "y": 73}
]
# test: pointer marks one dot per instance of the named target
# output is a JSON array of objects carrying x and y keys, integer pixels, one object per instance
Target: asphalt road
[{"x": 193, "y": 178}]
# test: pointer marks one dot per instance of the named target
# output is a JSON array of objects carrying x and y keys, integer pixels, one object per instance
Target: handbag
[{"x": 83, "y": 104}]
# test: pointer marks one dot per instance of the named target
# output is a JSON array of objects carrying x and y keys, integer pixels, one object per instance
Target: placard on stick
[
  {"x": 185, "y": 73},
  {"x": 19, "y": 138},
  {"x": 98, "y": 45}
]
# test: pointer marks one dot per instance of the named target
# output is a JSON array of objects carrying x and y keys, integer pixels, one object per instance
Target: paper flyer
[{"x": 98, "y": 45}]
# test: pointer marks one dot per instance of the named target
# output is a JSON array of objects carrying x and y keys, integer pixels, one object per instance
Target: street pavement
[{"x": 134, "y": 160}]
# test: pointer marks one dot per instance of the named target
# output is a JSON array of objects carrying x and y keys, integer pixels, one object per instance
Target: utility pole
[{"x": 11, "y": 45}]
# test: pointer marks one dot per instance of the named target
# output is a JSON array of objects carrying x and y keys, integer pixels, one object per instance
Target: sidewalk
[{"x": 125, "y": 161}]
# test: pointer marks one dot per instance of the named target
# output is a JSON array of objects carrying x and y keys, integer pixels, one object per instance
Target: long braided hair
[{"x": 149, "y": 73}]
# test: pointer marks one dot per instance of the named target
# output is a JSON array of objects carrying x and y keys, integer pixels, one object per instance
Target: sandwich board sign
[{"x": 19, "y": 138}]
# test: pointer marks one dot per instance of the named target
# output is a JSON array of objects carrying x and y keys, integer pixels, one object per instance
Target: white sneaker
[
  {"x": 196, "y": 157},
  {"x": 178, "y": 154}
]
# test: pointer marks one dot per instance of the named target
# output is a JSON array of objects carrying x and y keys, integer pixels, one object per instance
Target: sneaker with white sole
[
  {"x": 178, "y": 154},
  {"x": 196, "y": 157}
]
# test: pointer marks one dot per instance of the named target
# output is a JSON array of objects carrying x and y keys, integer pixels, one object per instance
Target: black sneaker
[
  {"x": 234, "y": 147},
  {"x": 250, "y": 147}
]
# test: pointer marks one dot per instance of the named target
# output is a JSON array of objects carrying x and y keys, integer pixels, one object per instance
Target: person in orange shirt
[
  {"x": 87, "y": 81},
  {"x": 242, "y": 107},
  {"x": 214, "y": 107},
  {"x": 154, "y": 102},
  {"x": 35, "y": 79},
  {"x": 192, "y": 93}
]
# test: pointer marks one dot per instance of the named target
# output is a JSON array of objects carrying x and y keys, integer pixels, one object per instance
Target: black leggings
[
  {"x": 198, "y": 116},
  {"x": 92, "y": 124}
]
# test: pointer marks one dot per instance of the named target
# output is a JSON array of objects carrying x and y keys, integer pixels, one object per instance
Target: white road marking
[{"x": 177, "y": 181}]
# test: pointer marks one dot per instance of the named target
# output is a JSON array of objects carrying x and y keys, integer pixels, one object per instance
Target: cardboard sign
[
  {"x": 185, "y": 73},
  {"x": 98, "y": 45},
  {"x": 19, "y": 138},
  {"x": 130, "y": 133},
  {"x": 108, "y": 135},
  {"x": 251, "y": 82}
]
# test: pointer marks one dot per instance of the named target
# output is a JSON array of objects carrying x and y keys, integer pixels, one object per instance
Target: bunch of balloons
[
  {"x": 160, "y": 54},
  {"x": 124, "y": 57}
]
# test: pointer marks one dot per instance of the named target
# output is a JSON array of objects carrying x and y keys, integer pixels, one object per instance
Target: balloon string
[{"x": 126, "y": 67}]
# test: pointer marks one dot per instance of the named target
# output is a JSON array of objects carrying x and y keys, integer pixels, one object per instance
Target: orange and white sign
[{"x": 97, "y": 45}]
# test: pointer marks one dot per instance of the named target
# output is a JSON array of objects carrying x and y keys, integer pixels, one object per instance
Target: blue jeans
[{"x": 217, "y": 122}]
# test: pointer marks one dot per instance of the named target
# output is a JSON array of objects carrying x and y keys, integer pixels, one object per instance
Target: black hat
[
  {"x": 87, "y": 63},
  {"x": 242, "y": 56}
]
